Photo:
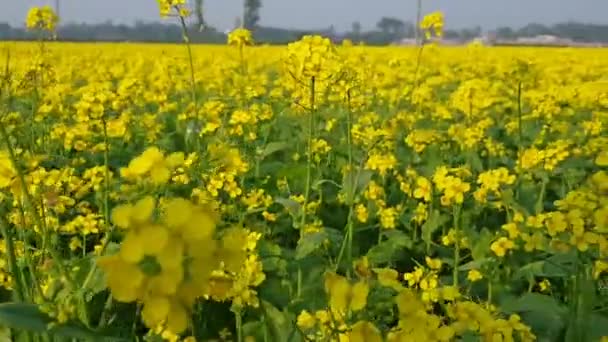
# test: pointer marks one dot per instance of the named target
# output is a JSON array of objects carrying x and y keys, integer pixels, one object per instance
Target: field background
[{"x": 303, "y": 192}]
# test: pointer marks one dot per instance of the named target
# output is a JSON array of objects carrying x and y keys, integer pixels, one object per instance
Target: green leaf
[
  {"x": 542, "y": 313},
  {"x": 545, "y": 327},
  {"x": 539, "y": 269},
  {"x": 272, "y": 148},
  {"x": 280, "y": 325},
  {"x": 292, "y": 206},
  {"x": 474, "y": 160},
  {"x": 534, "y": 302},
  {"x": 433, "y": 223},
  {"x": 255, "y": 329},
  {"x": 275, "y": 290},
  {"x": 355, "y": 181},
  {"x": 597, "y": 327},
  {"x": 295, "y": 174},
  {"x": 566, "y": 261},
  {"x": 5, "y": 334},
  {"x": 29, "y": 318},
  {"x": 317, "y": 184},
  {"x": 475, "y": 264},
  {"x": 87, "y": 271},
  {"x": 309, "y": 243},
  {"x": 583, "y": 294},
  {"x": 482, "y": 245},
  {"x": 272, "y": 257},
  {"x": 385, "y": 251},
  {"x": 470, "y": 337}
]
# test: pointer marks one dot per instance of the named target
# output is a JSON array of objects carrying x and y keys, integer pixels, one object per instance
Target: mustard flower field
[{"x": 308, "y": 192}]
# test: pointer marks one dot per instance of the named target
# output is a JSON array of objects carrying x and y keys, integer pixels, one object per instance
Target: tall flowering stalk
[
  {"x": 177, "y": 8},
  {"x": 240, "y": 38},
  {"x": 311, "y": 62},
  {"x": 42, "y": 19}
]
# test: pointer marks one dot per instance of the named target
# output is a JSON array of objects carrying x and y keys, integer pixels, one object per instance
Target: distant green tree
[
  {"x": 356, "y": 31},
  {"x": 251, "y": 14},
  {"x": 534, "y": 29},
  {"x": 356, "y": 27},
  {"x": 393, "y": 28},
  {"x": 198, "y": 11},
  {"x": 505, "y": 33},
  {"x": 384, "y": 25}
]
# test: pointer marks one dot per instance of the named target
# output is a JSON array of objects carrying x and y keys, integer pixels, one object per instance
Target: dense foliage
[{"x": 306, "y": 192}]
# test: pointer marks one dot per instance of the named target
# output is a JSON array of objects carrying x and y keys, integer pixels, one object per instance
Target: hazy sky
[{"x": 322, "y": 13}]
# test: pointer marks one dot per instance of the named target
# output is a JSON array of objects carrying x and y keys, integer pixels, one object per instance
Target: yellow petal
[
  {"x": 121, "y": 215},
  {"x": 160, "y": 174},
  {"x": 154, "y": 239},
  {"x": 171, "y": 256},
  {"x": 167, "y": 282},
  {"x": 125, "y": 283},
  {"x": 189, "y": 291},
  {"x": 177, "y": 322},
  {"x": 155, "y": 310},
  {"x": 177, "y": 212},
  {"x": 359, "y": 296},
  {"x": 363, "y": 331},
  {"x": 233, "y": 259},
  {"x": 200, "y": 226},
  {"x": 153, "y": 154},
  {"x": 201, "y": 269},
  {"x": 339, "y": 294},
  {"x": 202, "y": 250},
  {"x": 138, "y": 166},
  {"x": 132, "y": 248},
  {"x": 143, "y": 209},
  {"x": 123, "y": 279},
  {"x": 602, "y": 159},
  {"x": 175, "y": 159}
]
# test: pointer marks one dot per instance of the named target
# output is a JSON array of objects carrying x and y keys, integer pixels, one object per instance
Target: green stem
[
  {"x": 182, "y": 21},
  {"x": 539, "y": 206},
  {"x": 351, "y": 180},
  {"x": 104, "y": 312},
  {"x": 106, "y": 202},
  {"x": 456, "y": 216},
  {"x": 299, "y": 284},
  {"x": 519, "y": 117},
  {"x": 30, "y": 202},
  {"x": 22, "y": 232},
  {"x": 18, "y": 279},
  {"x": 239, "y": 325},
  {"x": 350, "y": 229},
  {"x": 242, "y": 60},
  {"x": 418, "y": 19},
  {"x": 309, "y": 156},
  {"x": 489, "y": 292}
]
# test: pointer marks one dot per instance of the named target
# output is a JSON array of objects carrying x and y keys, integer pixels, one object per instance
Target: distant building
[
  {"x": 544, "y": 40},
  {"x": 407, "y": 41}
]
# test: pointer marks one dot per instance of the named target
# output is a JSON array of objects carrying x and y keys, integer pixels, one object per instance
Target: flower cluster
[
  {"x": 161, "y": 262},
  {"x": 167, "y": 6},
  {"x": 432, "y": 23},
  {"x": 452, "y": 187},
  {"x": 312, "y": 64},
  {"x": 491, "y": 182},
  {"x": 152, "y": 165},
  {"x": 42, "y": 18},
  {"x": 240, "y": 37},
  {"x": 7, "y": 170},
  {"x": 344, "y": 300}
]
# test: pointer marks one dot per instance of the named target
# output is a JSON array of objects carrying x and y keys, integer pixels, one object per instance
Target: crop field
[{"x": 307, "y": 192}]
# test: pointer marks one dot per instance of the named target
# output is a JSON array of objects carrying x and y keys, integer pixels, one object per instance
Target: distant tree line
[
  {"x": 388, "y": 30},
  {"x": 579, "y": 32}
]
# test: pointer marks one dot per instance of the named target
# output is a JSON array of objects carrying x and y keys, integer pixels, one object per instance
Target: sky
[{"x": 317, "y": 14}]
